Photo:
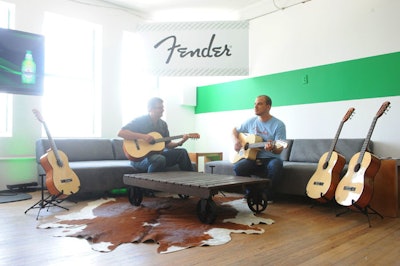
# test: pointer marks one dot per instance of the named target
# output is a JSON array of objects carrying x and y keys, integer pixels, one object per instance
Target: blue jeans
[
  {"x": 270, "y": 168},
  {"x": 159, "y": 162}
]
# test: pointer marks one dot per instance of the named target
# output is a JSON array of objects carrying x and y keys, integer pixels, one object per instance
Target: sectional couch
[
  {"x": 300, "y": 160},
  {"x": 99, "y": 163}
]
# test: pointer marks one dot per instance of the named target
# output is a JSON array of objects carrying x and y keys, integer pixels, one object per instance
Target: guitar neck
[
  {"x": 53, "y": 145},
  {"x": 367, "y": 139},
  {"x": 334, "y": 142},
  {"x": 168, "y": 138},
  {"x": 262, "y": 144},
  {"x": 257, "y": 145}
]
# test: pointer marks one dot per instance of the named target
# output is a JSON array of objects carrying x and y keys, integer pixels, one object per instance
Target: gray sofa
[
  {"x": 99, "y": 163},
  {"x": 300, "y": 160}
]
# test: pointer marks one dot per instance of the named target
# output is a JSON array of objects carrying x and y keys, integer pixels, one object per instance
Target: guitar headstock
[
  {"x": 38, "y": 115},
  {"x": 348, "y": 114},
  {"x": 281, "y": 143},
  {"x": 193, "y": 135},
  {"x": 384, "y": 108}
]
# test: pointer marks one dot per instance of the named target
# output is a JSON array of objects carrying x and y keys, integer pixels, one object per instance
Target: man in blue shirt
[{"x": 270, "y": 129}]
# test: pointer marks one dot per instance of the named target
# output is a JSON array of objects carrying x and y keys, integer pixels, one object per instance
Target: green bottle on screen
[{"x": 28, "y": 75}]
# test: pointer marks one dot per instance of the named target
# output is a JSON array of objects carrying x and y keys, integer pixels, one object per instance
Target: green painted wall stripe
[{"x": 370, "y": 77}]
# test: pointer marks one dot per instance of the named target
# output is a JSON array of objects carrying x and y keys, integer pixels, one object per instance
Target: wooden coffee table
[{"x": 201, "y": 185}]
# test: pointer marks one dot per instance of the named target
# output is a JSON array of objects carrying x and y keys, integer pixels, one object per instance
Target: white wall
[{"x": 311, "y": 34}]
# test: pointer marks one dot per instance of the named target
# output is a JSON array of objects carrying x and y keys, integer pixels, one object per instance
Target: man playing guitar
[
  {"x": 270, "y": 129},
  {"x": 137, "y": 133}
]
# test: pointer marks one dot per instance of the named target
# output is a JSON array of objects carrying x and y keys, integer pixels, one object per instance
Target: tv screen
[{"x": 21, "y": 62}]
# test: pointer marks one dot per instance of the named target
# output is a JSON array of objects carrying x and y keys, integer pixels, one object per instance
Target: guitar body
[
  {"x": 323, "y": 183},
  {"x": 245, "y": 152},
  {"x": 137, "y": 150},
  {"x": 59, "y": 180},
  {"x": 356, "y": 187}
]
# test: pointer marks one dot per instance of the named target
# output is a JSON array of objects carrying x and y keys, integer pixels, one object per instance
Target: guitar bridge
[
  {"x": 349, "y": 188},
  {"x": 318, "y": 183},
  {"x": 66, "y": 180}
]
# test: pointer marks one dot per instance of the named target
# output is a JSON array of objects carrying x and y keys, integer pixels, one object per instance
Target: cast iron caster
[
  {"x": 206, "y": 211},
  {"x": 257, "y": 201},
  {"x": 135, "y": 195}
]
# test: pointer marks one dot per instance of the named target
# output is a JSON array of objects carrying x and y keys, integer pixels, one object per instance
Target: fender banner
[{"x": 196, "y": 48}]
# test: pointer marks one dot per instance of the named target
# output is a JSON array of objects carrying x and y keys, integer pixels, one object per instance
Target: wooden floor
[{"x": 301, "y": 235}]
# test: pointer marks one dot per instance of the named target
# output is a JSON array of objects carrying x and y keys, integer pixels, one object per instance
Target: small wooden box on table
[{"x": 201, "y": 185}]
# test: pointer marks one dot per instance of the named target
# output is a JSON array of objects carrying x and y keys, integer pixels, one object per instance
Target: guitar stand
[
  {"x": 49, "y": 201},
  {"x": 367, "y": 210},
  {"x": 327, "y": 201}
]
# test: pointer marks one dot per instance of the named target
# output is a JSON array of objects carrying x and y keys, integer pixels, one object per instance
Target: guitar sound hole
[
  {"x": 357, "y": 167},
  {"x": 325, "y": 165}
]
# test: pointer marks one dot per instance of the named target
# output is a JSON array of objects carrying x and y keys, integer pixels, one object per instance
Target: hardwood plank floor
[{"x": 301, "y": 235}]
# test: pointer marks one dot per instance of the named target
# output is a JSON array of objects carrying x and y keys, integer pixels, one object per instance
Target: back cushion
[
  {"x": 118, "y": 150},
  {"x": 89, "y": 149},
  {"x": 286, "y": 152},
  {"x": 311, "y": 150}
]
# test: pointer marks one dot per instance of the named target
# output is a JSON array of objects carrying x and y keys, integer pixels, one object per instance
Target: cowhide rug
[{"x": 170, "y": 222}]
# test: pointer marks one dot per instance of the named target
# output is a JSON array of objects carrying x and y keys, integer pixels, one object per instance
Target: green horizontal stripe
[{"x": 370, "y": 77}]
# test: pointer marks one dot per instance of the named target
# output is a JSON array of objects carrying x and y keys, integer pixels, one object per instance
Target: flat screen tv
[{"x": 21, "y": 62}]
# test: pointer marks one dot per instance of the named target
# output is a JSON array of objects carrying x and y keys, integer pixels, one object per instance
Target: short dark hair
[
  {"x": 267, "y": 99},
  {"x": 153, "y": 102}
]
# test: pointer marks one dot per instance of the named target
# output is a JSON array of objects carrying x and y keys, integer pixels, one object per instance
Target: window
[
  {"x": 137, "y": 86},
  {"x": 7, "y": 15},
  {"x": 72, "y": 87}
]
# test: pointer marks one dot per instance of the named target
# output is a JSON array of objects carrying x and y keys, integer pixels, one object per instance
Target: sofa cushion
[
  {"x": 86, "y": 149},
  {"x": 118, "y": 150},
  {"x": 101, "y": 176},
  {"x": 311, "y": 150},
  {"x": 349, "y": 147},
  {"x": 219, "y": 167},
  {"x": 294, "y": 176},
  {"x": 286, "y": 152}
]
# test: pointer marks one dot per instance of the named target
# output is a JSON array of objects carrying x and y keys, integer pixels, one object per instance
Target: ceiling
[{"x": 202, "y": 9}]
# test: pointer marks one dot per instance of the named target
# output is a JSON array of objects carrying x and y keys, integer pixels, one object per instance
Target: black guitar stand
[
  {"x": 326, "y": 202},
  {"x": 46, "y": 202},
  {"x": 367, "y": 210}
]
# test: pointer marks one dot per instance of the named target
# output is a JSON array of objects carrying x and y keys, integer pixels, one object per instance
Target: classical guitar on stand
[
  {"x": 251, "y": 144},
  {"x": 61, "y": 180},
  {"x": 137, "y": 150},
  {"x": 323, "y": 183},
  {"x": 356, "y": 187}
]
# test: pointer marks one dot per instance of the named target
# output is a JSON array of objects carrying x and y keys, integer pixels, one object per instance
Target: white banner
[{"x": 196, "y": 48}]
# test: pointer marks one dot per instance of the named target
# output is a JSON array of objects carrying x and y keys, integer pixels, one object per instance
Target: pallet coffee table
[{"x": 201, "y": 185}]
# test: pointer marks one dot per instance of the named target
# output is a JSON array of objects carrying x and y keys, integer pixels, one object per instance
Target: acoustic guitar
[
  {"x": 137, "y": 150},
  {"x": 251, "y": 144},
  {"x": 61, "y": 180},
  {"x": 323, "y": 182},
  {"x": 356, "y": 187}
]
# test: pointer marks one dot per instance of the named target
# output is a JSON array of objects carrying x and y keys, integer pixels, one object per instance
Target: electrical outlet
[{"x": 305, "y": 79}]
